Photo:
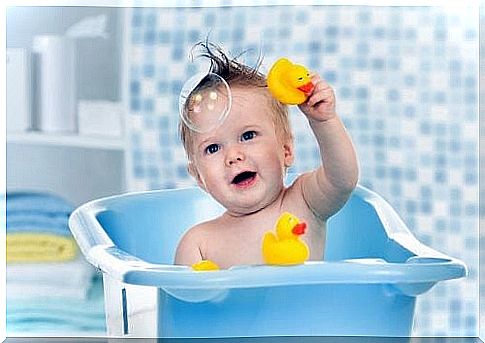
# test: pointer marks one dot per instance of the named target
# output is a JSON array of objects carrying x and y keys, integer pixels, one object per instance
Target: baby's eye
[
  {"x": 248, "y": 135},
  {"x": 212, "y": 149}
]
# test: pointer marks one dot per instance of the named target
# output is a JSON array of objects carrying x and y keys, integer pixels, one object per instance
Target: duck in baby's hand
[{"x": 289, "y": 83}]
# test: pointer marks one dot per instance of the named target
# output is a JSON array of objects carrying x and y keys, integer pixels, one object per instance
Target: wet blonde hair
[{"x": 237, "y": 74}]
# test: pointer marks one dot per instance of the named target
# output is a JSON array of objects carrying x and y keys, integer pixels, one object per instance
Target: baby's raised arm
[{"x": 327, "y": 188}]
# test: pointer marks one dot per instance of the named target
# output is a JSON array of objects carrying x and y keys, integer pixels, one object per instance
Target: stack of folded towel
[
  {"x": 37, "y": 230},
  {"x": 50, "y": 287}
]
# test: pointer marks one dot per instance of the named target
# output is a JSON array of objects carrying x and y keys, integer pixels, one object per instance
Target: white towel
[
  {"x": 16, "y": 291},
  {"x": 66, "y": 279},
  {"x": 60, "y": 273}
]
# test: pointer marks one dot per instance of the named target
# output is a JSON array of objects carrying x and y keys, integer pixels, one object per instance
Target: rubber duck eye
[
  {"x": 300, "y": 78},
  {"x": 212, "y": 149}
]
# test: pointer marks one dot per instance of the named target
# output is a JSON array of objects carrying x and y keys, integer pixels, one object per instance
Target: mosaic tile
[{"x": 407, "y": 91}]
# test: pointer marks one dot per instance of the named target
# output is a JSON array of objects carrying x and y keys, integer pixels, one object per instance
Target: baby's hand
[{"x": 320, "y": 105}]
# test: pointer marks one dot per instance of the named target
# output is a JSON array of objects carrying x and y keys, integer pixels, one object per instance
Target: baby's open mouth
[{"x": 244, "y": 178}]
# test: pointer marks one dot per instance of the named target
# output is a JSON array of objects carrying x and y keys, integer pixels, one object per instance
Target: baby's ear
[
  {"x": 289, "y": 153},
  {"x": 195, "y": 174}
]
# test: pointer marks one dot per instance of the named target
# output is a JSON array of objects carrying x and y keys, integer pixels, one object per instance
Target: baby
[{"x": 242, "y": 165}]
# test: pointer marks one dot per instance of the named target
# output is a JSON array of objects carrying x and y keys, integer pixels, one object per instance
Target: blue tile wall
[{"x": 407, "y": 90}]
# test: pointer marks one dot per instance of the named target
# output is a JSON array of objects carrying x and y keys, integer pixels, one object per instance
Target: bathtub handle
[{"x": 87, "y": 230}]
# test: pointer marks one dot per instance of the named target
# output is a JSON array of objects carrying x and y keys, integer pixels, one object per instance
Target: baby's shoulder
[
  {"x": 198, "y": 228},
  {"x": 295, "y": 189},
  {"x": 201, "y": 230}
]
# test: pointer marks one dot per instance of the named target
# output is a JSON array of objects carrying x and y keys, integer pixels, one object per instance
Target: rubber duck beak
[
  {"x": 299, "y": 229},
  {"x": 307, "y": 88}
]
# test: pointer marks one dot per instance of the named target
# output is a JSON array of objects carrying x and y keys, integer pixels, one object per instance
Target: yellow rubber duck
[
  {"x": 205, "y": 265},
  {"x": 286, "y": 247},
  {"x": 289, "y": 83}
]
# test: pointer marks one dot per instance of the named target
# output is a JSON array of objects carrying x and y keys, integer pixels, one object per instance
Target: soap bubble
[{"x": 204, "y": 102}]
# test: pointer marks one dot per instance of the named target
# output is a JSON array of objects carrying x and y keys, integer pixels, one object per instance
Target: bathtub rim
[{"x": 426, "y": 266}]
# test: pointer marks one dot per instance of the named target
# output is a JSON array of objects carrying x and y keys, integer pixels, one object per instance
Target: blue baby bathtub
[{"x": 373, "y": 270}]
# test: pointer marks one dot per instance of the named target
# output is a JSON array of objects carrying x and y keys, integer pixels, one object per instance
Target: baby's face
[{"x": 242, "y": 162}]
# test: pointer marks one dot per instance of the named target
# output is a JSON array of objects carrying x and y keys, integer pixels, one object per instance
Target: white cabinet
[
  {"x": 75, "y": 167},
  {"x": 78, "y": 168}
]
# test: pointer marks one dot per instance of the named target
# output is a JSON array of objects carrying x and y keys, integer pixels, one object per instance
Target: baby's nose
[{"x": 234, "y": 155}]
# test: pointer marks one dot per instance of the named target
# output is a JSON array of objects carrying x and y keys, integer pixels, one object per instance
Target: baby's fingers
[
  {"x": 315, "y": 99},
  {"x": 320, "y": 83},
  {"x": 320, "y": 94},
  {"x": 314, "y": 77}
]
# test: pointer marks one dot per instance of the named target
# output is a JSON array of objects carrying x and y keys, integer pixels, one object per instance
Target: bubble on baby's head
[{"x": 204, "y": 102}]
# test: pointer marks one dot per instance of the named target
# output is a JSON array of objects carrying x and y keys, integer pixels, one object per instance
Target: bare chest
[{"x": 240, "y": 243}]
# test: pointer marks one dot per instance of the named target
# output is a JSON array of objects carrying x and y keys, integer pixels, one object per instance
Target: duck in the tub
[{"x": 285, "y": 247}]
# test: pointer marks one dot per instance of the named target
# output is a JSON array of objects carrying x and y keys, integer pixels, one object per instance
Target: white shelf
[{"x": 66, "y": 140}]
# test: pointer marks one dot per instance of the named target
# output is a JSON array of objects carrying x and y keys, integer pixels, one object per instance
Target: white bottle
[
  {"x": 55, "y": 83},
  {"x": 18, "y": 90}
]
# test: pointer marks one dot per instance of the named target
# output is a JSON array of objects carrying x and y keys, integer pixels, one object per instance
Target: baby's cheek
[{"x": 274, "y": 154}]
